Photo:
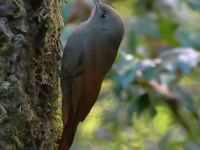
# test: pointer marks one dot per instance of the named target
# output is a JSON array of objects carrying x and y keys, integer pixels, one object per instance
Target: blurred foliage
[{"x": 151, "y": 97}]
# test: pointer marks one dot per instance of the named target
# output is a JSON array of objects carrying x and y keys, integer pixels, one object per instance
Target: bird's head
[{"x": 107, "y": 21}]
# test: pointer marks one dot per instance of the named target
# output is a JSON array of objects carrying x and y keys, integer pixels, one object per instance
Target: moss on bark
[{"x": 29, "y": 62}]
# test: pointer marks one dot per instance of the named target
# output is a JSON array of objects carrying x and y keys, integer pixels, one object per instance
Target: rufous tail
[{"x": 68, "y": 134}]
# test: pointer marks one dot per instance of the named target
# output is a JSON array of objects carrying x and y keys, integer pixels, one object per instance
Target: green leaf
[
  {"x": 132, "y": 43},
  {"x": 167, "y": 30},
  {"x": 185, "y": 99},
  {"x": 168, "y": 77},
  {"x": 147, "y": 26},
  {"x": 143, "y": 103},
  {"x": 139, "y": 106},
  {"x": 194, "y": 4},
  {"x": 151, "y": 73},
  {"x": 128, "y": 74},
  {"x": 188, "y": 37}
]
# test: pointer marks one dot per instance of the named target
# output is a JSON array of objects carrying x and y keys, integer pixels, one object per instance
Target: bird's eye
[{"x": 103, "y": 15}]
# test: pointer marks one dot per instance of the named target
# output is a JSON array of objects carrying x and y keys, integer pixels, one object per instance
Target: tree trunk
[{"x": 29, "y": 62}]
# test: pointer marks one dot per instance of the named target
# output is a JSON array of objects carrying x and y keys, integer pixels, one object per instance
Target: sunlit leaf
[
  {"x": 167, "y": 29},
  {"x": 180, "y": 58}
]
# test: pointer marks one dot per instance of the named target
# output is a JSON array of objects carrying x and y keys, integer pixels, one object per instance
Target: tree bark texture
[{"x": 29, "y": 64}]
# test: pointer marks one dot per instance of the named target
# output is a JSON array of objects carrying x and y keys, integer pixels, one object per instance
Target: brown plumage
[{"x": 88, "y": 55}]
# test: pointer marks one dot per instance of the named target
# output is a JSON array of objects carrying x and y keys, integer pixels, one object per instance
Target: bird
[{"x": 88, "y": 55}]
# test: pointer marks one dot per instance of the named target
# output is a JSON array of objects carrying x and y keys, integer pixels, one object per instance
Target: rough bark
[{"x": 29, "y": 62}]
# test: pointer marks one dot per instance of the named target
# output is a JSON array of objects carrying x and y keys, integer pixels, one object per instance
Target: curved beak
[{"x": 97, "y": 5}]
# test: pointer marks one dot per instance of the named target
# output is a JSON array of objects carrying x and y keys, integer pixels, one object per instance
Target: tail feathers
[{"x": 68, "y": 135}]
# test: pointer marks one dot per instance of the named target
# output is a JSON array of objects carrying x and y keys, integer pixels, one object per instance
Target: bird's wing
[
  {"x": 71, "y": 75},
  {"x": 81, "y": 82},
  {"x": 80, "y": 78}
]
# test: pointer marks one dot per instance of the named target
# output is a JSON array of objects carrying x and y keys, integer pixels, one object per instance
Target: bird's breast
[{"x": 102, "y": 57}]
